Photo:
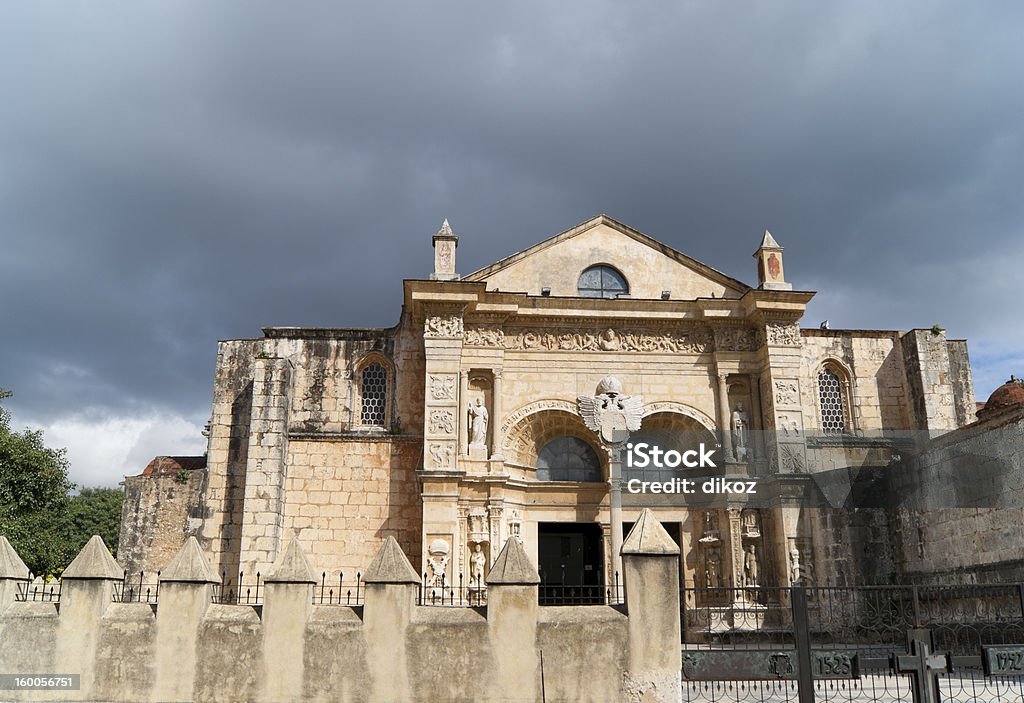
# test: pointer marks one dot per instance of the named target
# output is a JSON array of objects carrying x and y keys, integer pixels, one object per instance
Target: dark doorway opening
[{"x": 571, "y": 563}]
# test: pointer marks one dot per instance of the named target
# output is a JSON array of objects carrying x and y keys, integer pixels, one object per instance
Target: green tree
[
  {"x": 34, "y": 490},
  {"x": 94, "y": 511}
]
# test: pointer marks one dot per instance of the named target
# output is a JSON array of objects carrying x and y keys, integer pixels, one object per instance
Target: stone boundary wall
[{"x": 187, "y": 648}]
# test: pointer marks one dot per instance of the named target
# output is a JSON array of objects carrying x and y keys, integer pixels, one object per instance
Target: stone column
[
  {"x": 464, "y": 412},
  {"x": 512, "y": 610},
  {"x": 496, "y": 417},
  {"x": 87, "y": 589},
  {"x": 186, "y": 590},
  {"x": 615, "y": 512},
  {"x": 287, "y": 604},
  {"x": 651, "y": 574},
  {"x": 757, "y": 417},
  {"x": 391, "y": 585},
  {"x": 264, "y": 473},
  {"x": 735, "y": 546},
  {"x": 723, "y": 417},
  {"x": 12, "y": 572}
]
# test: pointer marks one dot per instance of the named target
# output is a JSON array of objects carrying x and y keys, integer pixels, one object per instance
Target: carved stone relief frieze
[
  {"x": 484, "y": 337},
  {"x": 787, "y": 392},
  {"x": 442, "y": 326},
  {"x": 739, "y": 339},
  {"x": 442, "y": 454},
  {"x": 694, "y": 341},
  {"x": 442, "y": 421},
  {"x": 442, "y": 386},
  {"x": 782, "y": 333}
]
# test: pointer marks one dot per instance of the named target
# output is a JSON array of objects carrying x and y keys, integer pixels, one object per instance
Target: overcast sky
[{"x": 176, "y": 173}]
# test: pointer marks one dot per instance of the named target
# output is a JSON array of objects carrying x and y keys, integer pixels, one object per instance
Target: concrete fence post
[
  {"x": 391, "y": 586},
  {"x": 86, "y": 591},
  {"x": 512, "y": 609},
  {"x": 650, "y": 565},
  {"x": 287, "y": 603},
  {"x": 186, "y": 591},
  {"x": 12, "y": 572}
]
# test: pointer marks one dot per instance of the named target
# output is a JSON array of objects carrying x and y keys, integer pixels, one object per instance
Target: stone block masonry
[{"x": 188, "y": 648}]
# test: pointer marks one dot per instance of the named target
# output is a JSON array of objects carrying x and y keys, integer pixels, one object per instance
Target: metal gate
[{"x": 920, "y": 644}]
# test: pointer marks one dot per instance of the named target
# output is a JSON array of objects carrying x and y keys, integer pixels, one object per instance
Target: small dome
[{"x": 1008, "y": 395}]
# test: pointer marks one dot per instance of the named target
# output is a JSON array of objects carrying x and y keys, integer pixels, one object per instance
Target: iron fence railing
[
  {"x": 464, "y": 594},
  {"x": 240, "y": 592},
  {"x": 137, "y": 590},
  {"x": 36, "y": 590},
  {"x": 338, "y": 592}
]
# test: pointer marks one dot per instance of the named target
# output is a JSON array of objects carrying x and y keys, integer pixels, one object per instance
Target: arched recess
[
  {"x": 528, "y": 436},
  {"x": 834, "y": 397},
  {"x": 373, "y": 382},
  {"x": 669, "y": 430}
]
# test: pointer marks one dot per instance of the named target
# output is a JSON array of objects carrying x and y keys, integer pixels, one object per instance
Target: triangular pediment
[{"x": 648, "y": 266}]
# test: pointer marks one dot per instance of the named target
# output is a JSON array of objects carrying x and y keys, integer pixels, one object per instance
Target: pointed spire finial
[
  {"x": 445, "y": 243},
  {"x": 770, "y": 275}
]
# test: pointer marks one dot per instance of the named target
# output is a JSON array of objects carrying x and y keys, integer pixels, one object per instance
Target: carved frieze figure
[
  {"x": 739, "y": 433},
  {"x": 609, "y": 411},
  {"x": 750, "y": 569},
  {"x": 610, "y": 341},
  {"x": 477, "y": 561},
  {"x": 478, "y": 423}
]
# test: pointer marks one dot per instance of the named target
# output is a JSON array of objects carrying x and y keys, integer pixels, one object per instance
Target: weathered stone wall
[
  {"x": 188, "y": 648},
  {"x": 160, "y": 511},
  {"x": 342, "y": 499},
  {"x": 960, "y": 511}
]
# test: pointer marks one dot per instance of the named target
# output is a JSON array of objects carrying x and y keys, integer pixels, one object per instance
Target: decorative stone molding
[
  {"x": 443, "y": 326},
  {"x": 514, "y": 418},
  {"x": 782, "y": 333},
  {"x": 668, "y": 406}
]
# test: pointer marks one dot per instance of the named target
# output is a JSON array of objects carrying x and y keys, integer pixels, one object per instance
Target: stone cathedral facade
[{"x": 460, "y": 427}]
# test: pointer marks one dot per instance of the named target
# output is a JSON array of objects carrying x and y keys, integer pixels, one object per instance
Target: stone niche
[{"x": 479, "y": 391}]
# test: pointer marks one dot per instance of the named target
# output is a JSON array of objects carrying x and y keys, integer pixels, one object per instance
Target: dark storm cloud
[{"x": 175, "y": 173}]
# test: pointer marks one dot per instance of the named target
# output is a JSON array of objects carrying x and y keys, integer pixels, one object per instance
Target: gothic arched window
[
  {"x": 568, "y": 458},
  {"x": 832, "y": 402},
  {"x": 602, "y": 281},
  {"x": 373, "y": 391}
]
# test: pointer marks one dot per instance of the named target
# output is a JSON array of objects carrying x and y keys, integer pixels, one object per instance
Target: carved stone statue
[
  {"x": 739, "y": 433},
  {"x": 477, "y": 562},
  {"x": 794, "y": 566},
  {"x": 750, "y": 569},
  {"x": 478, "y": 423},
  {"x": 609, "y": 411},
  {"x": 438, "y": 554},
  {"x": 711, "y": 571}
]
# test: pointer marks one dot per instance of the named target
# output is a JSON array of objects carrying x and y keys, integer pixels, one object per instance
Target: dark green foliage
[{"x": 94, "y": 511}]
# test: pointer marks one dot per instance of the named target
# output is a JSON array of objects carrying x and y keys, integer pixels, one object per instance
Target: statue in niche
[
  {"x": 794, "y": 565},
  {"x": 477, "y": 562},
  {"x": 750, "y": 566},
  {"x": 739, "y": 433},
  {"x": 711, "y": 571},
  {"x": 478, "y": 423}
]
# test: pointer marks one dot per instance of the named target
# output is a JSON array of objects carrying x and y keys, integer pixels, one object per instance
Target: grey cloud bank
[{"x": 175, "y": 173}]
